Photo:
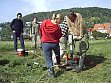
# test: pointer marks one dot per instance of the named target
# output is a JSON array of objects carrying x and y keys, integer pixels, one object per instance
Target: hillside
[
  {"x": 91, "y": 16},
  {"x": 88, "y": 12}
]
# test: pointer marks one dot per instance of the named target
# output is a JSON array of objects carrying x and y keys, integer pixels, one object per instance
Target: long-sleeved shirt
[
  {"x": 17, "y": 26},
  {"x": 64, "y": 27},
  {"x": 50, "y": 32}
]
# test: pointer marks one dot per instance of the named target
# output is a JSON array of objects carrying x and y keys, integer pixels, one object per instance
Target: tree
[
  {"x": 96, "y": 34},
  {"x": 6, "y": 32}
]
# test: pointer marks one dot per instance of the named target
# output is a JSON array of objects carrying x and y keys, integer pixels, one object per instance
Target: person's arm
[
  {"x": 22, "y": 27},
  {"x": 64, "y": 27},
  {"x": 60, "y": 33},
  {"x": 38, "y": 28},
  {"x": 43, "y": 24},
  {"x": 30, "y": 28}
]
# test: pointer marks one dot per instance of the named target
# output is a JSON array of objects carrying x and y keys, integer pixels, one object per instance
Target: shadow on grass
[
  {"x": 4, "y": 62},
  {"x": 59, "y": 72},
  {"x": 93, "y": 61}
]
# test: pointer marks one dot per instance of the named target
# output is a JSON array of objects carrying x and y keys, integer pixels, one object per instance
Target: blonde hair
[
  {"x": 76, "y": 26},
  {"x": 79, "y": 20},
  {"x": 56, "y": 16}
]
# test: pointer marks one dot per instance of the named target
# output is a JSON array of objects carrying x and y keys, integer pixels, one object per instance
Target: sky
[{"x": 9, "y": 8}]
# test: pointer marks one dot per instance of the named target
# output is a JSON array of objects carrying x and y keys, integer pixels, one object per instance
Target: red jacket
[{"x": 50, "y": 32}]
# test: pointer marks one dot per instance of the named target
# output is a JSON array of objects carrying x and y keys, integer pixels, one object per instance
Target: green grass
[{"x": 14, "y": 69}]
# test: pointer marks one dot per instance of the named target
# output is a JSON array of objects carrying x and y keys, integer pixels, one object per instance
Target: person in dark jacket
[
  {"x": 17, "y": 29},
  {"x": 50, "y": 33}
]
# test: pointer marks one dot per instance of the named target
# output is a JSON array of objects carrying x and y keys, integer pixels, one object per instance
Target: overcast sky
[{"x": 9, "y": 8}]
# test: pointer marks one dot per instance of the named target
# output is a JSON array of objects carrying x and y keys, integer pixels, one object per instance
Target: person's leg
[
  {"x": 56, "y": 49},
  {"x": 15, "y": 41},
  {"x": 62, "y": 46},
  {"x": 22, "y": 42},
  {"x": 33, "y": 41},
  {"x": 48, "y": 57},
  {"x": 38, "y": 42},
  {"x": 71, "y": 45}
]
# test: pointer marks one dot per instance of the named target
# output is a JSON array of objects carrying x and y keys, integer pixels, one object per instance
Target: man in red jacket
[{"x": 50, "y": 33}]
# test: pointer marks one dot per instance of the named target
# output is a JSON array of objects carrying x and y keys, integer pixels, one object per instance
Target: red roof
[{"x": 106, "y": 26}]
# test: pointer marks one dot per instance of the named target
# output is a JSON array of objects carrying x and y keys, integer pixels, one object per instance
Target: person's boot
[{"x": 52, "y": 73}]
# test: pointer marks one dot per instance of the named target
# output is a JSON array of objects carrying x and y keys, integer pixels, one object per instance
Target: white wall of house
[
  {"x": 102, "y": 31},
  {"x": 27, "y": 23}
]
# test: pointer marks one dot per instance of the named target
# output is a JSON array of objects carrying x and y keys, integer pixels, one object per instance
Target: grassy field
[{"x": 14, "y": 69}]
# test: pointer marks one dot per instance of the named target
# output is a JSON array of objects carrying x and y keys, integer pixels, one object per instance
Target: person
[
  {"x": 74, "y": 22},
  {"x": 17, "y": 29},
  {"x": 78, "y": 39},
  {"x": 50, "y": 33},
  {"x": 34, "y": 31},
  {"x": 64, "y": 38},
  {"x": 71, "y": 26},
  {"x": 74, "y": 26}
]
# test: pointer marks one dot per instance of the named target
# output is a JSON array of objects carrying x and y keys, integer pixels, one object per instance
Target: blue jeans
[
  {"x": 15, "y": 36},
  {"x": 47, "y": 49}
]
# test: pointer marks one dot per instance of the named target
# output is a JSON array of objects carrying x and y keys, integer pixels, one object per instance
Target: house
[
  {"x": 103, "y": 28},
  {"x": 28, "y": 24}
]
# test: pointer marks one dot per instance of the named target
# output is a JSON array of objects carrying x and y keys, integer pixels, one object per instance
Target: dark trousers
[
  {"x": 15, "y": 36},
  {"x": 47, "y": 49}
]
